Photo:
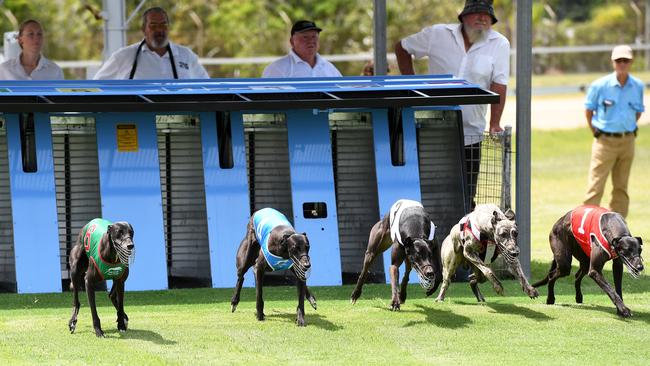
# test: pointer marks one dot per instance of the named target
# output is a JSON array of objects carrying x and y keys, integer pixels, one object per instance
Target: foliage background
[{"x": 250, "y": 28}]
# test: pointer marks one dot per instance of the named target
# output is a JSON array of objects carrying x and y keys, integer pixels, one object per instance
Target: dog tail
[{"x": 544, "y": 281}]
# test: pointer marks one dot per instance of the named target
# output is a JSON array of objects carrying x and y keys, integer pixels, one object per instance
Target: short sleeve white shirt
[
  {"x": 292, "y": 66},
  {"x": 487, "y": 61},
  {"x": 45, "y": 70},
  {"x": 151, "y": 65}
]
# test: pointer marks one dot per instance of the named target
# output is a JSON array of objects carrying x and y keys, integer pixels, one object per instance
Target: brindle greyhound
[
  {"x": 468, "y": 241},
  {"x": 272, "y": 244},
  {"x": 109, "y": 247},
  {"x": 409, "y": 231},
  {"x": 593, "y": 236}
]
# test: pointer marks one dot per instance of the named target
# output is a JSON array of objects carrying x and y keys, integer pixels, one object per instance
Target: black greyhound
[
  {"x": 593, "y": 236},
  {"x": 409, "y": 231},
  {"x": 272, "y": 244},
  {"x": 109, "y": 248}
]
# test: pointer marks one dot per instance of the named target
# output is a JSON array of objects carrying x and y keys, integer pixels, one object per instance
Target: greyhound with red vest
[{"x": 593, "y": 235}]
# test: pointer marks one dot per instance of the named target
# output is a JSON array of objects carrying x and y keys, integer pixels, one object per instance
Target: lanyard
[{"x": 137, "y": 53}]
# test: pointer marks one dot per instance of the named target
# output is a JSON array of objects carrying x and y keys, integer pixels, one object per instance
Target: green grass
[{"x": 196, "y": 326}]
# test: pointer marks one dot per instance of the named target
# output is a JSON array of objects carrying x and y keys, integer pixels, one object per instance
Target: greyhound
[
  {"x": 110, "y": 249},
  {"x": 409, "y": 231},
  {"x": 271, "y": 244},
  {"x": 487, "y": 227},
  {"x": 593, "y": 235}
]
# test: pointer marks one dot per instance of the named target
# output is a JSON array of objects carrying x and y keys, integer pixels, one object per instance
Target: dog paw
[
  {"x": 300, "y": 322},
  {"x": 532, "y": 293},
  {"x": 260, "y": 317},
  {"x": 99, "y": 333},
  {"x": 498, "y": 289},
  {"x": 312, "y": 302},
  {"x": 625, "y": 312},
  {"x": 394, "y": 306},
  {"x": 550, "y": 301},
  {"x": 72, "y": 326},
  {"x": 233, "y": 307},
  {"x": 440, "y": 299}
]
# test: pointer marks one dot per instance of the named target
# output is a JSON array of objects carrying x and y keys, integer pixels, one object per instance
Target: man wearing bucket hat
[
  {"x": 473, "y": 51},
  {"x": 613, "y": 106},
  {"x": 303, "y": 59}
]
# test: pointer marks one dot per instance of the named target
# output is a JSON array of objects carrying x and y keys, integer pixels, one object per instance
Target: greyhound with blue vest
[
  {"x": 409, "y": 231},
  {"x": 272, "y": 244},
  {"x": 593, "y": 235},
  {"x": 484, "y": 233},
  {"x": 103, "y": 251}
]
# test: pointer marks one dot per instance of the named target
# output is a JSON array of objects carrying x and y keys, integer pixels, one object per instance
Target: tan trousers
[{"x": 613, "y": 154}]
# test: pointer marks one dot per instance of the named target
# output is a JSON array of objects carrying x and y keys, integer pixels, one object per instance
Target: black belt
[{"x": 615, "y": 134}]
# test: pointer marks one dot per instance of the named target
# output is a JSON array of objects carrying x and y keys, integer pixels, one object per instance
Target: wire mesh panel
[
  {"x": 355, "y": 183},
  {"x": 493, "y": 184},
  {"x": 78, "y": 200},
  {"x": 7, "y": 260},
  {"x": 183, "y": 198}
]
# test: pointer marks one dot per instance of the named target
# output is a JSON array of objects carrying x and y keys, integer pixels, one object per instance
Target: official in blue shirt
[{"x": 613, "y": 105}]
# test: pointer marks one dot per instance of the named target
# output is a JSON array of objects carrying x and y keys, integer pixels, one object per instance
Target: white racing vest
[{"x": 396, "y": 213}]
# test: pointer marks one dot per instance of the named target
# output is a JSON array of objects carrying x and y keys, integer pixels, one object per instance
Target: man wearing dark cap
[
  {"x": 473, "y": 51},
  {"x": 303, "y": 59},
  {"x": 613, "y": 106}
]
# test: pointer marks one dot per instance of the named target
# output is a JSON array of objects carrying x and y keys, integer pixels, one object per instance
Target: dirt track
[{"x": 558, "y": 112}]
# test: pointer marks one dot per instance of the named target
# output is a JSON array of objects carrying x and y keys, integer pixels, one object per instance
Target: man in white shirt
[
  {"x": 473, "y": 51},
  {"x": 303, "y": 60},
  {"x": 155, "y": 57}
]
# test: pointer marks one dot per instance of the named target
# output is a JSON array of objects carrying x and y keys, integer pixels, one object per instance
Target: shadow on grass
[
  {"x": 145, "y": 335},
  {"x": 611, "y": 310},
  {"x": 518, "y": 310},
  {"x": 311, "y": 319},
  {"x": 433, "y": 316}
]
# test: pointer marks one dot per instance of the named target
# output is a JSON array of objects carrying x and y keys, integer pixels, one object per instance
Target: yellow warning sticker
[{"x": 127, "y": 138}]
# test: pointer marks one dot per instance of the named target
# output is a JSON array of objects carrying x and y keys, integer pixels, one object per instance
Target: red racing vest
[{"x": 585, "y": 224}]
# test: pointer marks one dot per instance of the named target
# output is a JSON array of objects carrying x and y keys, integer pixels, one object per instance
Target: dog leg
[
  {"x": 617, "y": 271},
  {"x": 300, "y": 310},
  {"x": 595, "y": 272},
  {"x": 78, "y": 266},
  {"x": 451, "y": 258},
  {"x": 259, "y": 283},
  {"x": 90, "y": 290},
  {"x": 374, "y": 244},
  {"x": 582, "y": 271},
  {"x": 117, "y": 297},
  {"x": 394, "y": 278},
  {"x": 515, "y": 269},
  {"x": 474, "y": 259},
  {"x": 310, "y": 297},
  {"x": 246, "y": 255},
  {"x": 474, "y": 280},
  {"x": 405, "y": 282}
]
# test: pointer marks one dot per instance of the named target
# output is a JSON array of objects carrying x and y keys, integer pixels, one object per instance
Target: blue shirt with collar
[{"x": 615, "y": 107}]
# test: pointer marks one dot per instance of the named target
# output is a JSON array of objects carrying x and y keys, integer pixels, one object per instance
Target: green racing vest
[{"x": 92, "y": 236}]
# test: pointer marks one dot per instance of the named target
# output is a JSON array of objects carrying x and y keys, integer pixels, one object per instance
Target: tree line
[{"x": 253, "y": 28}]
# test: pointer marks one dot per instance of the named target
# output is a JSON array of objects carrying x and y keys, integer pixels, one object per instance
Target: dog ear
[
  {"x": 286, "y": 236},
  {"x": 638, "y": 238},
  {"x": 304, "y": 234},
  {"x": 510, "y": 214},
  {"x": 495, "y": 217},
  {"x": 131, "y": 230}
]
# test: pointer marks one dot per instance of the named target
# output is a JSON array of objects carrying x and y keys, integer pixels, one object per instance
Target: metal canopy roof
[{"x": 239, "y": 94}]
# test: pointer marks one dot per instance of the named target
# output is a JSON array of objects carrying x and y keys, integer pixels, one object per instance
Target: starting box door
[{"x": 129, "y": 175}]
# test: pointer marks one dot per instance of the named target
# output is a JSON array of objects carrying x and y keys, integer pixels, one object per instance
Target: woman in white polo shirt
[{"x": 30, "y": 64}]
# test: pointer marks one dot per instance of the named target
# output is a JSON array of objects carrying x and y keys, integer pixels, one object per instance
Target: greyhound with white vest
[
  {"x": 408, "y": 230},
  {"x": 486, "y": 229}
]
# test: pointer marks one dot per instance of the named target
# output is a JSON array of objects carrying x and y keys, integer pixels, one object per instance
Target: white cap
[{"x": 622, "y": 51}]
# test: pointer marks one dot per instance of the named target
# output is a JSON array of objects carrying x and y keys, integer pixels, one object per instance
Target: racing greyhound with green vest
[{"x": 102, "y": 252}]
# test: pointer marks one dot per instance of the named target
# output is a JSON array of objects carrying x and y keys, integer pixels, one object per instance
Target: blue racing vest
[{"x": 265, "y": 220}]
